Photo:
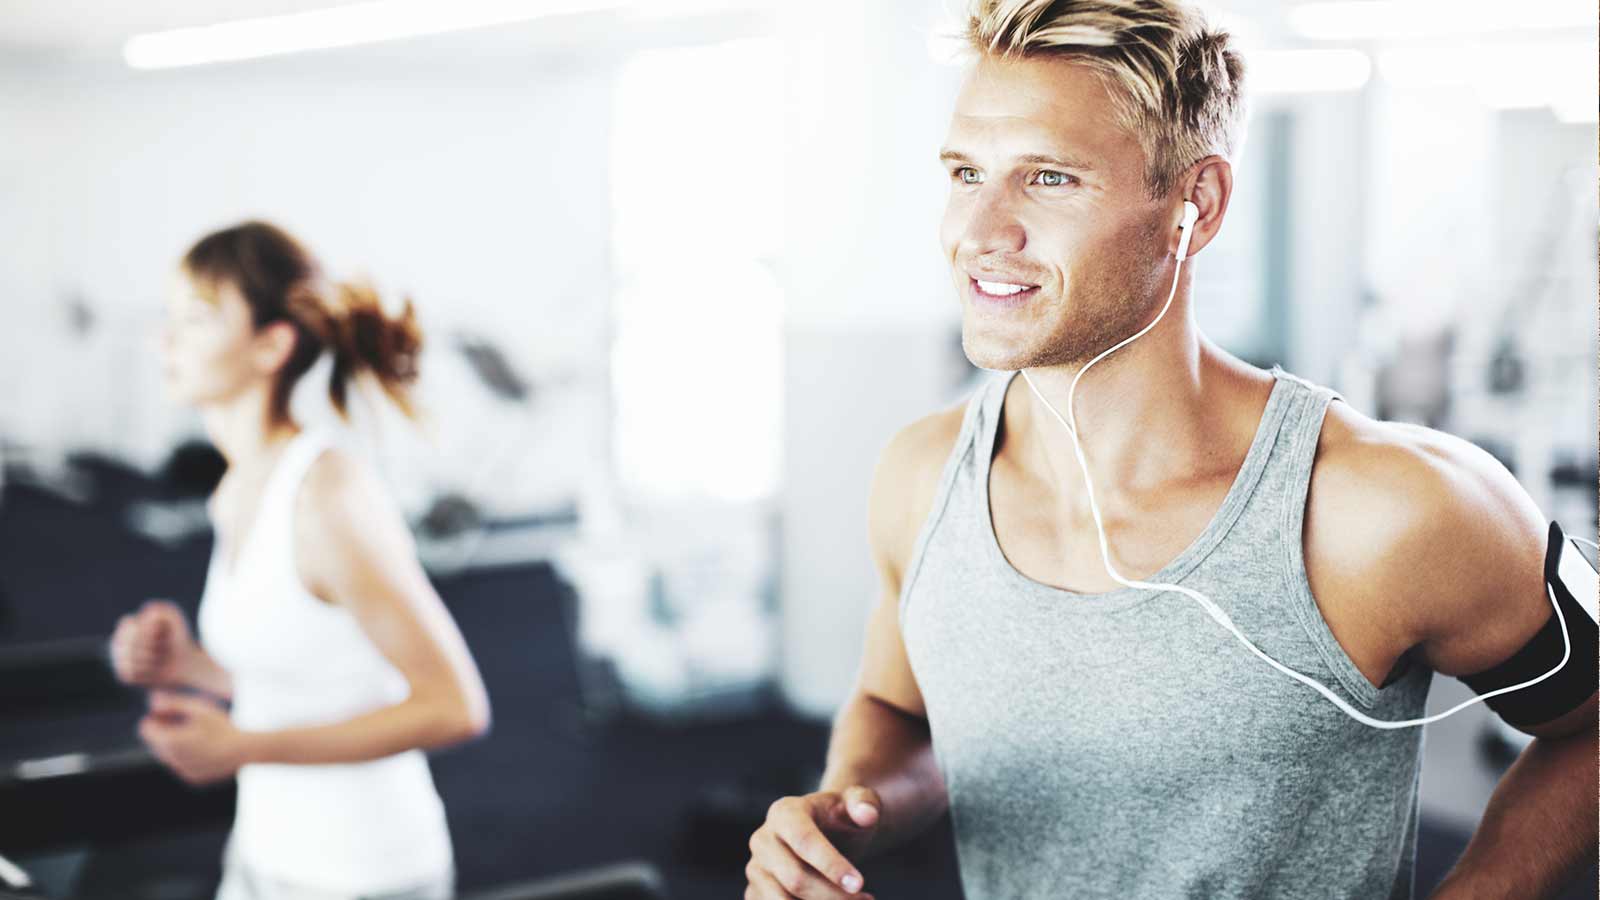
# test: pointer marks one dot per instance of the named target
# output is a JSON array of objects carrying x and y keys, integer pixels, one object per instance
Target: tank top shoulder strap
[
  {"x": 981, "y": 405},
  {"x": 1302, "y": 433},
  {"x": 1302, "y": 428},
  {"x": 290, "y": 471},
  {"x": 990, "y": 404}
]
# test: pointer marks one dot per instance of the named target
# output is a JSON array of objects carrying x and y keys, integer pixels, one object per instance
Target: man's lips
[{"x": 1000, "y": 290}]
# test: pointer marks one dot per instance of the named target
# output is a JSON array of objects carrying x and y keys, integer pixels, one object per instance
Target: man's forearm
[
  {"x": 878, "y": 746},
  {"x": 1539, "y": 828}
]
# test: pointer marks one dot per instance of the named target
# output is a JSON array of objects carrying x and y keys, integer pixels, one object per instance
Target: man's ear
[{"x": 1208, "y": 186}]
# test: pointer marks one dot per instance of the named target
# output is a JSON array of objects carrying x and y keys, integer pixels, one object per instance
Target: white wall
[
  {"x": 871, "y": 317},
  {"x": 483, "y": 194}
]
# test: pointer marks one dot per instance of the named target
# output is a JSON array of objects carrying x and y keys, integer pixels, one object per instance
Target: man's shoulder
[
  {"x": 1401, "y": 477},
  {"x": 1424, "y": 526},
  {"x": 907, "y": 478},
  {"x": 926, "y": 442}
]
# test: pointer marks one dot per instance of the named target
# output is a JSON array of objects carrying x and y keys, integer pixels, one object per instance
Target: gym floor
[{"x": 552, "y": 789}]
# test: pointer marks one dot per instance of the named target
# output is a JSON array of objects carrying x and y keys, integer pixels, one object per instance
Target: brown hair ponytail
[
  {"x": 366, "y": 340},
  {"x": 281, "y": 282}
]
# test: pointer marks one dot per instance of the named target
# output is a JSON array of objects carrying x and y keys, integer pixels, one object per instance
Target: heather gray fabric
[{"x": 1124, "y": 744}]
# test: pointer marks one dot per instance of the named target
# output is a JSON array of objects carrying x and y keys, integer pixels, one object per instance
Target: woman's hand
[
  {"x": 194, "y": 737},
  {"x": 153, "y": 647}
]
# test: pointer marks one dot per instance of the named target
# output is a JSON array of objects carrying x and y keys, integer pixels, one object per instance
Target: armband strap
[{"x": 1574, "y": 583}]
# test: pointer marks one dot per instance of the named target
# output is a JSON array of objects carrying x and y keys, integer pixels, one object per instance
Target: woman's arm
[
  {"x": 353, "y": 550},
  {"x": 154, "y": 648},
  {"x": 203, "y": 673}
]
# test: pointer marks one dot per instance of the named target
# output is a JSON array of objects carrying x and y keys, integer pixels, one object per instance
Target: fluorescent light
[
  {"x": 1386, "y": 19},
  {"x": 1306, "y": 71},
  {"x": 1430, "y": 66},
  {"x": 1505, "y": 75},
  {"x": 667, "y": 9},
  {"x": 339, "y": 26},
  {"x": 1578, "y": 110}
]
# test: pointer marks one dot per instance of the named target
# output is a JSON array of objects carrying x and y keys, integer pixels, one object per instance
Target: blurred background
[{"x": 677, "y": 266}]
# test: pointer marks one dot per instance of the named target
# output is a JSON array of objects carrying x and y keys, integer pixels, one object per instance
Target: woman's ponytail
[{"x": 366, "y": 340}]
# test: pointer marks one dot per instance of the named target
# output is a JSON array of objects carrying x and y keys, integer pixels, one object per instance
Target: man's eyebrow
[
  {"x": 1045, "y": 159},
  {"x": 1039, "y": 159}
]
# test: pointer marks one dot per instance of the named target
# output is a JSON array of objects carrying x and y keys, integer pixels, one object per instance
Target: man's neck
[{"x": 1152, "y": 412}]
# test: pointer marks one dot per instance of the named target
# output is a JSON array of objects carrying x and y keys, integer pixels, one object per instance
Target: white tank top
[{"x": 298, "y": 661}]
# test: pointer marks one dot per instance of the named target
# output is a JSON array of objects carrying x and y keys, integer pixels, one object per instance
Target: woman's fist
[{"x": 152, "y": 647}]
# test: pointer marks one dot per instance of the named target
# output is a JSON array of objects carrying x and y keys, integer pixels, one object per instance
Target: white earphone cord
[{"x": 1070, "y": 424}]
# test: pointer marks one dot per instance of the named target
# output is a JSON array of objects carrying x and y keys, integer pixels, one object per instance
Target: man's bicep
[
  {"x": 1470, "y": 559},
  {"x": 1497, "y": 620},
  {"x": 885, "y": 667},
  {"x": 903, "y": 487},
  {"x": 1497, "y": 611},
  {"x": 885, "y": 672}
]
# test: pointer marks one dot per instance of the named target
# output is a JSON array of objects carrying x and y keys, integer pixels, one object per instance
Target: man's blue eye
[
  {"x": 1053, "y": 179},
  {"x": 968, "y": 175}
]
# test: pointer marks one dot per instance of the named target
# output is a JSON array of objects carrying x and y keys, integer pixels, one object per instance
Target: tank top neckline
[
  {"x": 1120, "y": 598},
  {"x": 288, "y": 459}
]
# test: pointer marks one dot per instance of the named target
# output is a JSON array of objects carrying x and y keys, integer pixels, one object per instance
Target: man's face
[{"x": 1055, "y": 249}]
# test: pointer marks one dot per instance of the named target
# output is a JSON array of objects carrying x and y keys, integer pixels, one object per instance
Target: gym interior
[{"x": 677, "y": 269}]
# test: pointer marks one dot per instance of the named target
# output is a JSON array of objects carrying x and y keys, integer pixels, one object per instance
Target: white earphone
[{"x": 1191, "y": 214}]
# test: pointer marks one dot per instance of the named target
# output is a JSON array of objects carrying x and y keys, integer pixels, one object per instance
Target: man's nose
[{"x": 993, "y": 226}]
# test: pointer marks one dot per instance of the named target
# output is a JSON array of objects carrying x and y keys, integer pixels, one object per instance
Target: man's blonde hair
[{"x": 1175, "y": 82}]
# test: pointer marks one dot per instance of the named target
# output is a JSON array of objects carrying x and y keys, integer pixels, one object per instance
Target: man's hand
[{"x": 803, "y": 850}]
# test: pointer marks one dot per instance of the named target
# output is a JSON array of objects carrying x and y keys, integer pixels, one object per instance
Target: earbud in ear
[{"x": 1191, "y": 214}]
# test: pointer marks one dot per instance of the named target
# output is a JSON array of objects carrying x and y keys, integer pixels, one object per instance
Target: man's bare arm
[
  {"x": 1441, "y": 546},
  {"x": 881, "y": 738},
  {"x": 882, "y": 785}
]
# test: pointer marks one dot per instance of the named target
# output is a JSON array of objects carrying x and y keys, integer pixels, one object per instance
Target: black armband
[{"x": 1574, "y": 583}]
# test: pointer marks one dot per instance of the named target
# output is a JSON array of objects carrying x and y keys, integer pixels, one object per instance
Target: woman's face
[{"x": 211, "y": 350}]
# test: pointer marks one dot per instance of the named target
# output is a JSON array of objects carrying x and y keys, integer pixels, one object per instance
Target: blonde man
[{"x": 1096, "y": 739}]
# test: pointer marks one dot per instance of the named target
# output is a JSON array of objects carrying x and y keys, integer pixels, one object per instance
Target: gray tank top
[{"x": 1124, "y": 744}]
